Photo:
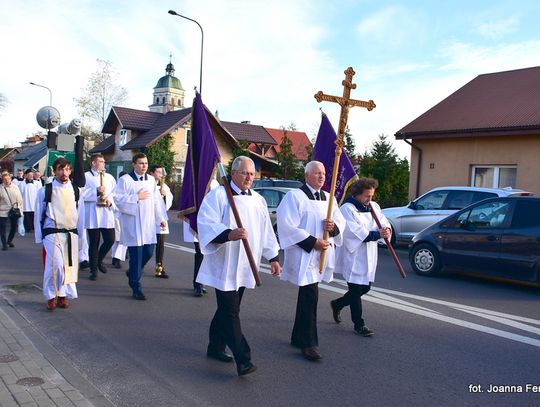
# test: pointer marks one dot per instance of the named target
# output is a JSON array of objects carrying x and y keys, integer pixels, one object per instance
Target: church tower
[{"x": 168, "y": 93}]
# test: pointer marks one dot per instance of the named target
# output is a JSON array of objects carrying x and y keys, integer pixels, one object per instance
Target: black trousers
[
  {"x": 198, "y": 260},
  {"x": 353, "y": 299},
  {"x": 96, "y": 254},
  {"x": 304, "y": 334},
  {"x": 28, "y": 221},
  {"x": 12, "y": 229},
  {"x": 225, "y": 328},
  {"x": 160, "y": 248}
]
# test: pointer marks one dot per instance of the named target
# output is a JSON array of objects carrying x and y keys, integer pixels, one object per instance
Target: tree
[
  {"x": 161, "y": 153},
  {"x": 287, "y": 161},
  {"x": 102, "y": 92},
  {"x": 349, "y": 144},
  {"x": 242, "y": 149},
  {"x": 392, "y": 172}
]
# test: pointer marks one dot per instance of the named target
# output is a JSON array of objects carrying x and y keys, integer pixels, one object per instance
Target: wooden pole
[
  {"x": 388, "y": 244},
  {"x": 247, "y": 248}
]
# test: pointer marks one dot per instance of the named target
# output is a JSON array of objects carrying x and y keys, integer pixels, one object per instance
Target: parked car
[
  {"x": 273, "y": 197},
  {"x": 498, "y": 236},
  {"x": 436, "y": 205},
  {"x": 271, "y": 182}
]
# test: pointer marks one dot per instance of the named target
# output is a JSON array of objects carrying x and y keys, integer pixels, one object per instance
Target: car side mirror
[{"x": 412, "y": 205}]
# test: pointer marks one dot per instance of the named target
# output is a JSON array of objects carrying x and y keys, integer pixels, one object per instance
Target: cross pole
[{"x": 346, "y": 103}]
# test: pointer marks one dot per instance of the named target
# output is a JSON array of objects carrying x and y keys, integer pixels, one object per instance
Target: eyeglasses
[{"x": 246, "y": 173}]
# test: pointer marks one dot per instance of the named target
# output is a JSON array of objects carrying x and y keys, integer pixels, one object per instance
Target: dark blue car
[{"x": 498, "y": 237}]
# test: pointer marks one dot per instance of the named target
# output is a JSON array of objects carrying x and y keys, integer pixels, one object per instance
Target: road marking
[{"x": 385, "y": 297}]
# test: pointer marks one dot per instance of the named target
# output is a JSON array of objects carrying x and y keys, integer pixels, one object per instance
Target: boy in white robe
[
  {"x": 357, "y": 257},
  {"x": 225, "y": 265},
  {"x": 62, "y": 224},
  {"x": 29, "y": 189},
  {"x": 141, "y": 211},
  {"x": 157, "y": 171},
  {"x": 301, "y": 221}
]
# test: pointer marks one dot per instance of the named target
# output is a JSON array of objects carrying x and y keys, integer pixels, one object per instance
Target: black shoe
[
  {"x": 116, "y": 263},
  {"x": 245, "y": 368},
  {"x": 336, "y": 312},
  {"x": 198, "y": 291},
  {"x": 4, "y": 247},
  {"x": 84, "y": 265},
  {"x": 101, "y": 267},
  {"x": 203, "y": 289},
  {"x": 363, "y": 331},
  {"x": 138, "y": 295},
  {"x": 162, "y": 275},
  {"x": 93, "y": 276},
  {"x": 11, "y": 244},
  {"x": 311, "y": 353},
  {"x": 222, "y": 356}
]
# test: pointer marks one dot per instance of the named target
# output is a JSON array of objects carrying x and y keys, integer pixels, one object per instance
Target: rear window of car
[{"x": 526, "y": 214}]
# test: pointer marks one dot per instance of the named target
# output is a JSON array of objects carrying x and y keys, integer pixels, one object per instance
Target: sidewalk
[{"x": 30, "y": 368}]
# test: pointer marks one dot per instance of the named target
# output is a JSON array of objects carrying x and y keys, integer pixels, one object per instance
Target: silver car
[
  {"x": 273, "y": 197},
  {"x": 435, "y": 205}
]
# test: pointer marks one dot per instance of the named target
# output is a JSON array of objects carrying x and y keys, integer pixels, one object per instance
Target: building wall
[{"x": 450, "y": 161}]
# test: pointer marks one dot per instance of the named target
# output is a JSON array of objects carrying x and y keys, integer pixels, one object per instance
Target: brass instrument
[{"x": 101, "y": 195}]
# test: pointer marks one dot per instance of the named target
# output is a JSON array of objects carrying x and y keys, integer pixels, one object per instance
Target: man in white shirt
[
  {"x": 99, "y": 215},
  {"x": 157, "y": 172},
  {"x": 301, "y": 220},
  {"x": 141, "y": 211}
]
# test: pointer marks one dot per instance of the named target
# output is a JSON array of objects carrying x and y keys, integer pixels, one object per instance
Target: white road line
[{"x": 379, "y": 297}]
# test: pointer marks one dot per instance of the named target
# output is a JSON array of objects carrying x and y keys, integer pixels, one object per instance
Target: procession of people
[{"x": 131, "y": 212}]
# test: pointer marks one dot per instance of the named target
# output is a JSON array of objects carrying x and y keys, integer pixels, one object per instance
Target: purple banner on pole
[
  {"x": 202, "y": 157},
  {"x": 325, "y": 152}
]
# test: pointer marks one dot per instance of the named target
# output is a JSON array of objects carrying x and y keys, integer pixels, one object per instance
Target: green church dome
[{"x": 169, "y": 80}]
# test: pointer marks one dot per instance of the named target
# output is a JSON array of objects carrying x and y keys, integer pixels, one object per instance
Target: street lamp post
[
  {"x": 41, "y": 86},
  {"x": 174, "y": 13}
]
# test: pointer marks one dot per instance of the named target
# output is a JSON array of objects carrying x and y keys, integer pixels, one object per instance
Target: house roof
[
  {"x": 299, "y": 139},
  {"x": 162, "y": 126},
  {"x": 29, "y": 152},
  {"x": 131, "y": 119},
  {"x": 501, "y": 103},
  {"x": 6, "y": 151},
  {"x": 106, "y": 146},
  {"x": 249, "y": 132}
]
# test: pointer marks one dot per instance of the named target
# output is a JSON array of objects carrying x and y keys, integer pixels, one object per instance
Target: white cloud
[{"x": 498, "y": 29}]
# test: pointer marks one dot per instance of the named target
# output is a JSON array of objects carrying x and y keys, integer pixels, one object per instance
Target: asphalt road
[{"x": 438, "y": 341}]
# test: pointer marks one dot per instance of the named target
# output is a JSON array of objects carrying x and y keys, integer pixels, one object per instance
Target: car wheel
[{"x": 425, "y": 260}]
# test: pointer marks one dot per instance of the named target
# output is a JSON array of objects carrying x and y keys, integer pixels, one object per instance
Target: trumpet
[{"x": 101, "y": 195}]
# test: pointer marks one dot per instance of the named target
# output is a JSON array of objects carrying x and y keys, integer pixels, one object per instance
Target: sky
[{"x": 263, "y": 60}]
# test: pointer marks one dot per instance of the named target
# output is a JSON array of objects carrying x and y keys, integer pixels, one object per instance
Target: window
[
  {"x": 527, "y": 214},
  {"x": 123, "y": 139},
  {"x": 187, "y": 136},
  {"x": 494, "y": 176},
  {"x": 487, "y": 216},
  {"x": 433, "y": 200}
]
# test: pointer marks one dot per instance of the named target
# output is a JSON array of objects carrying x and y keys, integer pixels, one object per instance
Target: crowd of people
[{"x": 130, "y": 215}]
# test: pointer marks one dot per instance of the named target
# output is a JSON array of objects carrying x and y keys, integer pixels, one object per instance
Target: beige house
[
  {"x": 485, "y": 134},
  {"x": 133, "y": 130}
]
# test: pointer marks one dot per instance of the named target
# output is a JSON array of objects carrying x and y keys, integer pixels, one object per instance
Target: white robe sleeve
[
  {"x": 288, "y": 221},
  {"x": 38, "y": 214},
  {"x": 125, "y": 199}
]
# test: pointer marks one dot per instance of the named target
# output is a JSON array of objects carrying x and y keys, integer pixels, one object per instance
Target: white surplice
[
  {"x": 139, "y": 220},
  {"x": 29, "y": 193},
  {"x": 97, "y": 217},
  {"x": 61, "y": 213},
  {"x": 356, "y": 260},
  {"x": 225, "y": 266},
  {"x": 298, "y": 217},
  {"x": 167, "y": 202}
]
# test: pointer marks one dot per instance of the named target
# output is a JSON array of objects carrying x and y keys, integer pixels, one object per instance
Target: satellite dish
[{"x": 48, "y": 117}]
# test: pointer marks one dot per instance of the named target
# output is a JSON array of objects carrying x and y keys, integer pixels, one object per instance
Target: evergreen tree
[
  {"x": 161, "y": 153},
  {"x": 242, "y": 149},
  {"x": 349, "y": 145},
  {"x": 392, "y": 172},
  {"x": 287, "y": 161}
]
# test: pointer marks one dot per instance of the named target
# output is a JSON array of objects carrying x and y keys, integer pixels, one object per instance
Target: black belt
[{"x": 50, "y": 231}]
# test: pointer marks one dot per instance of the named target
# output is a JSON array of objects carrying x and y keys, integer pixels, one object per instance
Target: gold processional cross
[{"x": 346, "y": 103}]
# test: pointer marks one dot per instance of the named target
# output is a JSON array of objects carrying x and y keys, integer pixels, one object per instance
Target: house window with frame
[
  {"x": 187, "y": 136},
  {"x": 123, "y": 138},
  {"x": 494, "y": 176}
]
